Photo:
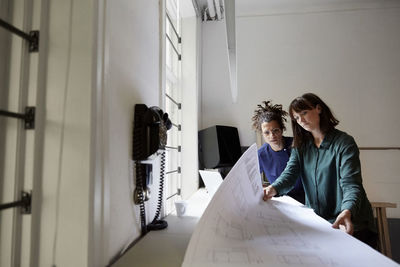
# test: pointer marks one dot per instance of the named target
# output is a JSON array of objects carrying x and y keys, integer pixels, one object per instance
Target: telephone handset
[
  {"x": 150, "y": 131},
  {"x": 149, "y": 136}
]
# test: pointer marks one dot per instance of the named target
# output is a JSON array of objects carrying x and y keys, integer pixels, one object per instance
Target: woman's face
[
  {"x": 308, "y": 119},
  {"x": 272, "y": 134}
]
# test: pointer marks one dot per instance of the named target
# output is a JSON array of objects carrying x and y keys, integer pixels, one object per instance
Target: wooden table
[{"x": 383, "y": 230}]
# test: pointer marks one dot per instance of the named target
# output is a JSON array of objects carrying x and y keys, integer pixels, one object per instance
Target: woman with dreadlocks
[{"x": 269, "y": 120}]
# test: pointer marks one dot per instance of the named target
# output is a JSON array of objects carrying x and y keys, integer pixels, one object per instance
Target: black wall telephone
[
  {"x": 149, "y": 136},
  {"x": 150, "y": 131}
]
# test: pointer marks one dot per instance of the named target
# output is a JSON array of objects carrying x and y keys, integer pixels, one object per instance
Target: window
[
  {"x": 181, "y": 99},
  {"x": 173, "y": 98}
]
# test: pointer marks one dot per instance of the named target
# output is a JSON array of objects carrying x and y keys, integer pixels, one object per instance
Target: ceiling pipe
[
  {"x": 218, "y": 5},
  {"x": 211, "y": 9}
]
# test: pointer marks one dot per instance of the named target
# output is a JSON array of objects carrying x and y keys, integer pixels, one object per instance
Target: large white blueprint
[{"x": 239, "y": 229}]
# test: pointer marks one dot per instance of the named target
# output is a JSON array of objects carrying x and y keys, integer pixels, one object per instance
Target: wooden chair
[{"x": 383, "y": 230}]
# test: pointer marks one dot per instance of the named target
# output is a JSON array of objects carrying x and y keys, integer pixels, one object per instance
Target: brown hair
[
  {"x": 267, "y": 112},
  {"x": 309, "y": 101}
]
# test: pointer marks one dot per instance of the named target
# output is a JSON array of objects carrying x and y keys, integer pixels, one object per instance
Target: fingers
[
  {"x": 344, "y": 219},
  {"x": 338, "y": 221},
  {"x": 349, "y": 226},
  {"x": 265, "y": 197},
  {"x": 269, "y": 192},
  {"x": 336, "y": 224}
]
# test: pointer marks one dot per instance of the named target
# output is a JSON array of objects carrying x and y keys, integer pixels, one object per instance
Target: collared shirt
[
  {"x": 272, "y": 163},
  {"x": 331, "y": 176}
]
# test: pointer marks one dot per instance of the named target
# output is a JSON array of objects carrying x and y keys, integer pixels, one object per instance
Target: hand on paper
[
  {"x": 269, "y": 192},
  {"x": 344, "y": 220}
]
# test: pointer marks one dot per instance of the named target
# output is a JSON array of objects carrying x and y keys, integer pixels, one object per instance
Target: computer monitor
[{"x": 219, "y": 147}]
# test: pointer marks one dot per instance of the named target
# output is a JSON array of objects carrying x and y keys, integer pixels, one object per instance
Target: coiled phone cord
[
  {"x": 139, "y": 188},
  {"x": 159, "y": 224}
]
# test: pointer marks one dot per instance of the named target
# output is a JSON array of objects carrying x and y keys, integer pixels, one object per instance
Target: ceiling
[{"x": 273, "y": 7}]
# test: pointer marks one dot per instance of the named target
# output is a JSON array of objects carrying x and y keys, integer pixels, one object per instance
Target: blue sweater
[{"x": 272, "y": 163}]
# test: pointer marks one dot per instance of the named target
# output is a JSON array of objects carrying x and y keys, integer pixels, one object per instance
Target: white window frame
[{"x": 172, "y": 100}]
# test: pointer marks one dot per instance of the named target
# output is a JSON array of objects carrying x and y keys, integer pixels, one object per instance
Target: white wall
[
  {"x": 97, "y": 60},
  {"x": 85, "y": 67},
  {"x": 215, "y": 90},
  {"x": 132, "y": 75},
  {"x": 63, "y": 226},
  {"x": 126, "y": 71},
  {"x": 189, "y": 108},
  {"x": 114, "y": 63},
  {"x": 348, "y": 56}
]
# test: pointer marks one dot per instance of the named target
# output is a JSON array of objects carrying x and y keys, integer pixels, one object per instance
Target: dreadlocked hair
[{"x": 267, "y": 112}]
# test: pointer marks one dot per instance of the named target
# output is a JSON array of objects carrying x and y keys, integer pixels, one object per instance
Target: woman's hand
[
  {"x": 269, "y": 192},
  {"x": 344, "y": 220}
]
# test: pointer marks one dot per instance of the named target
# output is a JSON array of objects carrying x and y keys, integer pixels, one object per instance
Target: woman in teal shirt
[{"x": 328, "y": 161}]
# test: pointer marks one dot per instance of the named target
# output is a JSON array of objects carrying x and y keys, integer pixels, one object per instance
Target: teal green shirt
[{"x": 331, "y": 176}]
